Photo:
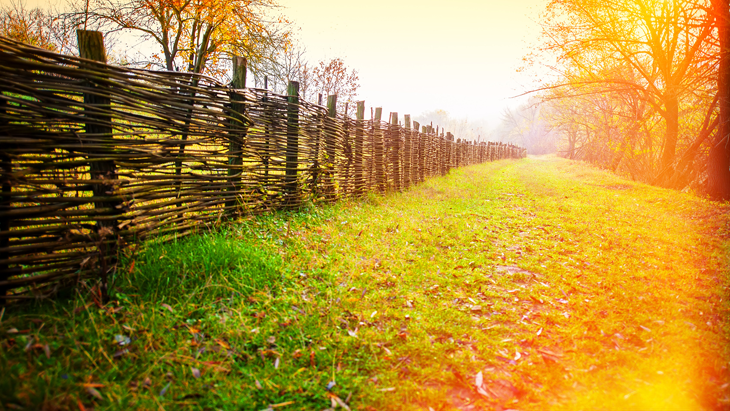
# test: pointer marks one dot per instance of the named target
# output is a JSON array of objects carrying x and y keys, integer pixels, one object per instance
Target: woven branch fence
[{"x": 95, "y": 157}]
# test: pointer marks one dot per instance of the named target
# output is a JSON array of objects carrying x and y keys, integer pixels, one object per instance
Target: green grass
[{"x": 565, "y": 286}]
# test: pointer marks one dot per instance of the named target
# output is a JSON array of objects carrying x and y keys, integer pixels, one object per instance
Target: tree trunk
[
  {"x": 671, "y": 115},
  {"x": 718, "y": 165}
]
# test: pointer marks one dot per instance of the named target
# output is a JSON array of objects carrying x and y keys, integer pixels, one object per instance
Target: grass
[{"x": 557, "y": 285}]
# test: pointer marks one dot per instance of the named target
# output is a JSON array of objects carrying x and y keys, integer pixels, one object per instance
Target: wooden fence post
[
  {"x": 236, "y": 142},
  {"x": 292, "y": 143},
  {"x": 394, "y": 137},
  {"x": 91, "y": 46},
  {"x": 330, "y": 144},
  {"x": 449, "y": 151},
  {"x": 359, "y": 183}
]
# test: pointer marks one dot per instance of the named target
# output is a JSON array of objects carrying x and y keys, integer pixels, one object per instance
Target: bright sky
[{"x": 415, "y": 56}]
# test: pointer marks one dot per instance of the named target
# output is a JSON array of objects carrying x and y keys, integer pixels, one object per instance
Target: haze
[{"x": 413, "y": 56}]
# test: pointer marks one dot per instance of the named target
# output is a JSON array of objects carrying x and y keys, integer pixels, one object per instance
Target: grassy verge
[{"x": 549, "y": 283}]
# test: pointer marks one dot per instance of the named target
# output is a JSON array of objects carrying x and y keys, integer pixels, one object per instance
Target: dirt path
[
  {"x": 537, "y": 284},
  {"x": 555, "y": 285}
]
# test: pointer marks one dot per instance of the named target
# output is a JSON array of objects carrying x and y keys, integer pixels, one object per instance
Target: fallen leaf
[
  {"x": 481, "y": 391},
  {"x": 340, "y": 402},
  {"x": 517, "y": 355},
  {"x": 128, "y": 328},
  {"x": 164, "y": 390},
  {"x": 387, "y": 389},
  {"x": 479, "y": 380},
  {"x": 352, "y": 333},
  {"x": 258, "y": 384},
  {"x": 94, "y": 393},
  {"x": 47, "y": 350},
  {"x": 122, "y": 339},
  {"x": 282, "y": 404},
  {"x": 196, "y": 372},
  {"x": 166, "y": 306}
]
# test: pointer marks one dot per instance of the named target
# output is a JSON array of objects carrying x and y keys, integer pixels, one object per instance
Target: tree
[
  {"x": 525, "y": 126},
  {"x": 35, "y": 27},
  {"x": 657, "y": 48},
  {"x": 196, "y": 36},
  {"x": 718, "y": 167},
  {"x": 279, "y": 69},
  {"x": 459, "y": 127},
  {"x": 329, "y": 78}
]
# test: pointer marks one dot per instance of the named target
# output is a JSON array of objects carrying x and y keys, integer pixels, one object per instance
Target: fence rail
[{"x": 94, "y": 157}]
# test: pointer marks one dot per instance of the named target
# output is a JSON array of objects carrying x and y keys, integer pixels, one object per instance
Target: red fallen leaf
[
  {"x": 81, "y": 405},
  {"x": 131, "y": 267},
  {"x": 297, "y": 354},
  {"x": 282, "y": 404},
  {"x": 403, "y": 335},
  {"x": 79, "y": 309},
  {"x": 312, "y": 363}
]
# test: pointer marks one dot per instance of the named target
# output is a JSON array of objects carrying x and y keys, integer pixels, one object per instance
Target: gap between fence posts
[
  {"x": 394, "y": 137},
  {"x": 407, "y": 151},
  {"x": 330, "y": 144},
  {"x": 98, "y": 127},
  {"x": 316, "y": 171},
  {"x": 6, "y": 170},
  {"x": 291, "y": 190},
  {"x": 379, "y": 143},
  {"x": 236, "y": 141}
]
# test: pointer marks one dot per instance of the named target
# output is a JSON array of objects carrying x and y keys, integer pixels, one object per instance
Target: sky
[
  {"x": 413, "y": 57},
  {"x": 416, "y": 56}
]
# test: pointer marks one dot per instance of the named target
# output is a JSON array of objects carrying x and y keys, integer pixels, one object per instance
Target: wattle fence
[{"x": 95, "y": 157}]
